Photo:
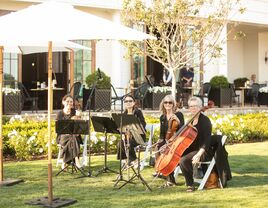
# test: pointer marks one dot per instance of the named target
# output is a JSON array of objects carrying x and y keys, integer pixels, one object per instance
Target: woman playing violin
[
  {"x": 170, "y": 122},
  {"x": 130, "y": 108},
  {"x": 196, "y": 152}
]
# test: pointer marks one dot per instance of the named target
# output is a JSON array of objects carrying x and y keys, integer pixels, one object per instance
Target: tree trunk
[{"x": 172, "y": 71}]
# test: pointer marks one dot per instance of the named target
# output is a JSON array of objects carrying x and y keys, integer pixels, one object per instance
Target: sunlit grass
[{"x": 248, "y": 188}]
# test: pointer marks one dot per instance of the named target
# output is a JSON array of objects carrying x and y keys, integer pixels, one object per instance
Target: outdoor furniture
[
  {"x": 253, "y": 93},
  {"x": 26, "y": 98},
  {"x": 234, "y": 95},
  {"x": 75, "y": 90},
  {"x": 140, "y": 93},
  {"x": 204, "y": 91}
]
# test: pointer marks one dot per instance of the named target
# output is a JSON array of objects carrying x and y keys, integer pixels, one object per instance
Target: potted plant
[
  {"x": 240, "y": 82},
  {"x": 220, "y": 93},
  {"x": 101, "y": 97},
  {"x": 11, "y": 101},
  {"x": 156, "y": 94}
]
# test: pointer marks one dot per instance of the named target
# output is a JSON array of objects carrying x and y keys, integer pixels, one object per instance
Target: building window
[
  {"x": 82, "y": 62},
  {"x": 10, "y": 66}
]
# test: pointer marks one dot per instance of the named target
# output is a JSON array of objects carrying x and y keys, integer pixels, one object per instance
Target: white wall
[
  {"x": 262, "y": 75},
  {"x": 251, "y": 55},
  {"x": 235, "y": 63}
]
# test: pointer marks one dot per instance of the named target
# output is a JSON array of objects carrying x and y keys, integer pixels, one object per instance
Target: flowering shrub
[
  {"x": 160, "y": 89},
  {"x": 10, "y": 91},
  {"x": 263, "y": 89},
  {"x": 25, "y": 137}
]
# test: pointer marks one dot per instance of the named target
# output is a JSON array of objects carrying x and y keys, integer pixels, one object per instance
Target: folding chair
[
  {"x": 84, "y": 160},
  {"x": 150, "y": 128},
  {"x": 211, "y": 165}
]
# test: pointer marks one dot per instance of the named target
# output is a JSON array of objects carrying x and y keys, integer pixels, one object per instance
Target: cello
[{"x": 172, "y": 152}]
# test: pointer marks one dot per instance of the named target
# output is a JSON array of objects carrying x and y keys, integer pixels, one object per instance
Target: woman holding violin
[
  {"x": 196, "y": 152},
  {"x": 170, "y": 122},
  {"x": 130, "y": 108}
]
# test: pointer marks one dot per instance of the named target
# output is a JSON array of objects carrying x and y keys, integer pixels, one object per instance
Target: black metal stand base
[
  {"x": 56, "y": 202},
  {"x": 10, "y": 182},
  {"x": 106, "y": 170},
  {"x": 119, "y": 179},
  {"x": 138, "y": 175},
  {"x": 74, "y": 169}
]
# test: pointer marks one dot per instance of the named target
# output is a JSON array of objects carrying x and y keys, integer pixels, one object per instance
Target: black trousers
[
  {"x": 132, "y": 153},
  {"x": 187, "y": 166}
]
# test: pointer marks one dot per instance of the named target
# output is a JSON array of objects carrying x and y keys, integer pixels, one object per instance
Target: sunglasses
[
  {"x": 128, "y": 101},
  {"x": 168, "y": 102}
]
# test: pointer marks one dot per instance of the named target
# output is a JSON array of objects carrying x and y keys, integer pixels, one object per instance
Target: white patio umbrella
[
  {"x": 51, "y": 22},
  {"x": 29, "y": 47}
]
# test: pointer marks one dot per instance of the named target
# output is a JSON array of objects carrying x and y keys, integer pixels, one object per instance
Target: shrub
[
  {"x": 219, "y": 82},
  {"x": 104, "y": 83},
  {"x": 240, "y": 82}
]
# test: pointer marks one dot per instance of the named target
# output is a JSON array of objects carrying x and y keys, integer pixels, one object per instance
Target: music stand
[
  {"x": 132, "y": 123},
  {"x": 72, "y": 127},
  {"x": 105, "y": 125}
]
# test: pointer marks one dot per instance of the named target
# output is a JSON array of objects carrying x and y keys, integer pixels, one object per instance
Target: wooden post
[
  {"x": 1, "y": 115},
  {"x": 71, "y": 69},
  {"x": 49, "y": 112}
]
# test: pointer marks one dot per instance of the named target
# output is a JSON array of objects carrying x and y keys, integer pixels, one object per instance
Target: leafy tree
[{"x": 187, "y": 31}]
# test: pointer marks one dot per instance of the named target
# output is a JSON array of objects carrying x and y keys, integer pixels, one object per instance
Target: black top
[
  {"x": 138, "y": 113},
  {"x": 164, "y": 124},
  {"x": 203, "y": 137},
  {"x": 62, "y": 116},
  {"x": 187, "y": 73}
]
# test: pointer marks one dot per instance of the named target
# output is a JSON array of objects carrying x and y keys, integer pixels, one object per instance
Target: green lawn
[{"x": 248, "y": 188}]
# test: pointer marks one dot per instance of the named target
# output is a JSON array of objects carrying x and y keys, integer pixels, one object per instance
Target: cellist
[
  {"x": 169, "y": 119},
  {"x": 197, "y": 150}
]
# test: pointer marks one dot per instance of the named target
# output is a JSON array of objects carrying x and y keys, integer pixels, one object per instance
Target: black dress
[
  {"x": 69, "y": 143},
  {"x": 132, "y": 142}
]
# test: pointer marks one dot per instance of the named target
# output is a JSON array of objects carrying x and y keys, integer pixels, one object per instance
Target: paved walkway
[{"x": 155, "y": 113}]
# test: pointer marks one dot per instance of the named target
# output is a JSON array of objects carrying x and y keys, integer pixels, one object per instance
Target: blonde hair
[{"x": 169, "y": 98}]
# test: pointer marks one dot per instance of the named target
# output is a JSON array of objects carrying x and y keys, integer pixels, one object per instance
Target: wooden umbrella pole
[
  {"x": 49, "y": 112},
  {"x": 1, "y": 115}
]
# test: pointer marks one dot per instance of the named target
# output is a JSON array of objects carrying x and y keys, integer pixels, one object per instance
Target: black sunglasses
[
  {"x": 128, "y": 101},
  {"x": 168, "y": 102}
]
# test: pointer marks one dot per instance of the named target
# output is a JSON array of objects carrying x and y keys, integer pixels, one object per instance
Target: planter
[
  {"x": 101, "y": 99},
  {"x": 221, "y": 96},
  {"x": 153, "y": 100},
  {"x": 262, "y": 98},
  {"x": 12, "y": 104}
]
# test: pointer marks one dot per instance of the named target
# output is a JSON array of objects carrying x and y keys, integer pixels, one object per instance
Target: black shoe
[{"x": 190, "y": 189}]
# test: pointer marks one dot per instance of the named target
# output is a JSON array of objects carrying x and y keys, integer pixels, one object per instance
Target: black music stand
[
  {"x": 132, "y": 124},
  {"x": 105, "y": 125},
  {"x": 72, "y": 127}
]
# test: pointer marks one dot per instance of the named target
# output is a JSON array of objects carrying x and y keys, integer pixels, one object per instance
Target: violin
[
  {"x": 178, "y": 143},
  {"x": 172, "y": 128}
]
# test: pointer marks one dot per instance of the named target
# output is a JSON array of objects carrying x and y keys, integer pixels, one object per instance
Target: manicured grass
[{"x": 248, "y": 188}]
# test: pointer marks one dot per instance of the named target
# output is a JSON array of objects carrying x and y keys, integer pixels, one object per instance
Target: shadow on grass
[{"x": 248, "y": 170}]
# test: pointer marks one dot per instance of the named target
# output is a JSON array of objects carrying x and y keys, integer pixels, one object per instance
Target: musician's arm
[{"x": 206, "y": 131}]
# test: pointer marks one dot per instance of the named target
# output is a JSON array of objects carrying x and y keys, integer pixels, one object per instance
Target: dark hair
[
  {"x": 67, "y": 96},
  {"x": 130, "y": 96}
]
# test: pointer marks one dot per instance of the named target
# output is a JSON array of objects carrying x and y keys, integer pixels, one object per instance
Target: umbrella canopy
[
  {"x": 58, "y": 21},
  {"x": 28, "y": 47},
  {"x": 53, "y": 21}
]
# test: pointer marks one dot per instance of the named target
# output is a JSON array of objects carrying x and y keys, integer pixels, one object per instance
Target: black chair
[
  {"x": 253, "y": 93},
  {"x": 75, "y": 90},
  {"x": 204, "y": 91},
  {"x": 115, "y": 97},
  {"x": 140, "y": 93},
  {"x": 234, "y": 95},
  {"x": 26, "y": 98}
]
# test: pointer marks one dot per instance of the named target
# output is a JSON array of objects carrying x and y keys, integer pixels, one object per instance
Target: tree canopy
[{"x": 187, "y": 31}]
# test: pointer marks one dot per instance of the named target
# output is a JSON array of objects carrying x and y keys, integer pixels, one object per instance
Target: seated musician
[
  {"x": 169, "y": 115},
  {"x": 69, "y": 143},
  {"x": 197, "y": 151},
  {"x": 130, "y": 108}
]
